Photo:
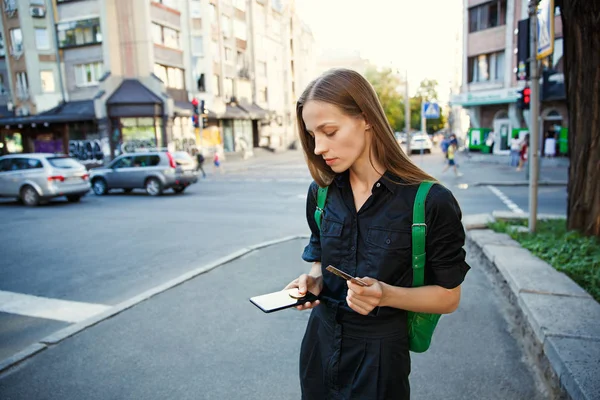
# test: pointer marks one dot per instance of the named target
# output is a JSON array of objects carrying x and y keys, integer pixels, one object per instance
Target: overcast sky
[{"x": 417, "y": 35}]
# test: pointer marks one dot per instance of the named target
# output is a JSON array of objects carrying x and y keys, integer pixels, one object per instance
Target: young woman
[{"x": 356, "y": 341}]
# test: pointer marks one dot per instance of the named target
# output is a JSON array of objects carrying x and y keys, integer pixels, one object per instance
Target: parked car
[
  {"x": 153, "y": 171},
  {"x": 419, "y": 141},
  {"x": 35, "y": 178}
]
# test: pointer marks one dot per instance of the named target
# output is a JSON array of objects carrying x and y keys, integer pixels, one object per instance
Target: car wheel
[
  {"x": 74, "y": 198},
  {"x": 30, "y": 196},
  {"x": 99, "y": 186},
  {"x": 179, "y": 189},
  {"x": 154, "y": 187}
]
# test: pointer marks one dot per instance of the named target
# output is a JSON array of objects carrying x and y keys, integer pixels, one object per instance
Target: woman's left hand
[{"x": 363, "y": 299}]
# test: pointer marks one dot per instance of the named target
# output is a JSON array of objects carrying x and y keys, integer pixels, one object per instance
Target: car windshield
[
  {"x": 181, "y": 157},
  {"x": 63, "y": 162}
]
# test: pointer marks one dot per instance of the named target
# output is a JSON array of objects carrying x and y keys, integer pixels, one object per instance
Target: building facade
[
  {"x": 490, "y": 88},
  {"x": 98, "y": 78}
]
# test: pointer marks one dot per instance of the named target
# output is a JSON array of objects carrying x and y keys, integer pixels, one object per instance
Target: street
[{"x": 203, "y": 339}]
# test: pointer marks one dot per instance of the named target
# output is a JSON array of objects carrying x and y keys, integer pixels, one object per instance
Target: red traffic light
[
  {"x": 194, "y": 102},
  {"x": 526, "y": 95}
]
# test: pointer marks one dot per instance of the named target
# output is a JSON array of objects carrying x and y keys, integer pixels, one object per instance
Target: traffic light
[
  {"x": 524, "y": 98},
  {"x": 195, "y": 121},
  {"x": 195, "y": 105},
  {"x": 202, "y": 109}
]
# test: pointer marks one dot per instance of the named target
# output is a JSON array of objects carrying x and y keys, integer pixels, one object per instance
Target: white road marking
[
  {"x": 508, "y": 202},
  {"x": 43, "y": 307}
]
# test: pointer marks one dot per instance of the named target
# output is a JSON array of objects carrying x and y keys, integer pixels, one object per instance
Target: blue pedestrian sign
[{"x": 431, "y": 110}]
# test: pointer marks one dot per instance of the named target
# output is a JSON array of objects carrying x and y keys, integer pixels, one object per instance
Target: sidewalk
[{"x": 202, "y": 339}]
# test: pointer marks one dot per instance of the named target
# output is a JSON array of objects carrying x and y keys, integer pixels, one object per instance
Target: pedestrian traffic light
[
  {"x": 195, "y": 121},
  {"x": 195, "y": 105},
  {"x": 524, "y": 98}
]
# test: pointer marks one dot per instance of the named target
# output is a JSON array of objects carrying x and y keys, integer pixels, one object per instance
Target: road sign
[
  {"x": 431, "y": 110},
  {"x": 545, "y": 29}
]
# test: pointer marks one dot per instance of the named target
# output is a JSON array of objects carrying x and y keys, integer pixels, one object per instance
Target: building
[
  {"x": 490, "y": 88},
  {"x": 98, "y": 78}
]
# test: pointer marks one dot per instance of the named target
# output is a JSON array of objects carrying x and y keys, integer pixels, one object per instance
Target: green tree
[{"x": 387, "y": 85}]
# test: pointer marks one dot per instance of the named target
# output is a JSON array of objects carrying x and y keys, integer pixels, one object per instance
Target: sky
[{"x": 414, "y": 35}]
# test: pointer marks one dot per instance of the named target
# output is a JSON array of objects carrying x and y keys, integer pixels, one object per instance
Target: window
[
  {"x": 196, "y": 9},
  {"x": 277, "y": 6},
  {"x": 16, "y": 40},
  {"x": 165, "y": 36},
  {"x": 47, "y": 78},
  {"x": 228, "y": 55},
  {"x": 241, "y": 62},
  {"x": 239, "y": 28},
  {"x": 275, "y": 26},
  {"x": 262, "y": 68},
  {"x": 488, "y": 15},
  {"x": 212, "y": 13},
  {"x": 2, "y": 48},
  {"x": 486, "y": 67},
  {"x": 88, "y": 74},
  {"x": 240, "y": 4},
  {"x": 226, "y": 26},
  {"x": 172, "y": 77},
  {"x": 10, "y": 5},
  {"x": 42, "y": 41},
  {"x": 22, "y": 85},
  {"x": 262, "y": 95},
  {"x": 79, "y": 33},
  {"x": 216, "y": 85},
  {"x": 197, "y": 45},
  {"x": 228, "y": 88}
]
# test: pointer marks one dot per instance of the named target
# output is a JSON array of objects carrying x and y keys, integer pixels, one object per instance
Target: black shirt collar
[{"x": 389, "y": 180}]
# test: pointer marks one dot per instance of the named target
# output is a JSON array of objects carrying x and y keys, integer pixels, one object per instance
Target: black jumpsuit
[{"x": 345, "y": 355}]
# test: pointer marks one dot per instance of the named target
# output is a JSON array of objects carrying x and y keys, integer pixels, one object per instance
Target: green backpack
[{"x": 420, "y": 325}]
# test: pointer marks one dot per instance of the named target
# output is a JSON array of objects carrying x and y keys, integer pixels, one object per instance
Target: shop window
[{"x": 79, "y": 33}]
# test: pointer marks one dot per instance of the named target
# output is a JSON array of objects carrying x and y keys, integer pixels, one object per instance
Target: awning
[
  {"x": 255, "y": 111},
  {"x": 234, "y": 112},
  {"x": 133, "y": 91},
  {"x": 81, "y": 110}
]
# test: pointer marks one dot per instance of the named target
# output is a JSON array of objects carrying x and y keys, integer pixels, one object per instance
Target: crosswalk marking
[
  {"x": 508, "y": 202},
  {"x": 43, "y": 307}
]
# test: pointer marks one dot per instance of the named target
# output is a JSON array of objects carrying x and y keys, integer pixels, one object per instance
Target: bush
[{"x": 567, "y": 251}]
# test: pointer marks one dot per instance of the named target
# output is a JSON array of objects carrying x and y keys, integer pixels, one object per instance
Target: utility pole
[
  {"x": 407, "y": 112},
  {"x": 534, "y": 110}
]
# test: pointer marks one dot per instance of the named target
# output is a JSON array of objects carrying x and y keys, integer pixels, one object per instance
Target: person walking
[
  {"x": 451, "y": 158},
  {"x": 523, "y": 152},
  {"x": 515, "y": 147},
  {"x": 200, "y": 162},
  {"x": 356, "y": 344}
]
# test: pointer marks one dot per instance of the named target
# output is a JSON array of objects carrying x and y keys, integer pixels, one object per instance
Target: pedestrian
[
  {"x": 451, "y": 160},
  {"x": 523, "y": 152},
  {"x": 200, "y": 162},
  {"x": 444, "y": 146},
  {"x": 515, "y": 147},
  {"x": 356, "y": 341}
]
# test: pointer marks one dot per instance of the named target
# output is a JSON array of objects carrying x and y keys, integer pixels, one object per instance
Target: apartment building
[
  {"x": 111, "y": 76},
  {"x": 489, "y": 90}
]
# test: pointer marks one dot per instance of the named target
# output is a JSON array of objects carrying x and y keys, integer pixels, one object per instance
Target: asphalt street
[{"x": 203, "y": 339}]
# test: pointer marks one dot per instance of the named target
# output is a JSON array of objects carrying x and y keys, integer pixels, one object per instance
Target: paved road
[{"x": 108, "y": 249}]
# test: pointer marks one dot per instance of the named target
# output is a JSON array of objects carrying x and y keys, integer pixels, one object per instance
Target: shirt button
[
  {"x": 352, "y": 248},
  {"x": 378, "y": 184},
  {"x": 388, "y": 241}
]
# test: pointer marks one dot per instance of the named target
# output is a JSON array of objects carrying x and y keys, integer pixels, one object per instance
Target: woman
[
  {"x": 523, "y": 152},
  {"x": 356, "y": 343}
]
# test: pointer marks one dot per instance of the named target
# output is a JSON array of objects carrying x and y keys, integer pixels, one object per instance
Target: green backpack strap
[
  {"x": 419, "y": 231},
  {"x": 321, "y": 199}
]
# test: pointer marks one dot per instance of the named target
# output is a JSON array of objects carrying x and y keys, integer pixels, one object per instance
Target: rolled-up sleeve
[
  {"x": 312, "y": 252},
  {"x": 445, "y": 256}
]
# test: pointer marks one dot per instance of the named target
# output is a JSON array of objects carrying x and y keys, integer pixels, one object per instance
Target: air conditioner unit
[{"x": 38, "y": 11}]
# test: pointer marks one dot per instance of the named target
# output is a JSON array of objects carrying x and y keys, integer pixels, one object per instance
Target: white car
[{"x": 420, "y": 142}]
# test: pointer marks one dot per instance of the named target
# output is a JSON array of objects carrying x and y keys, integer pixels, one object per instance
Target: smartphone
[
  {"x": 345, "y": 276},
  {"x": 281, "y": 300}
]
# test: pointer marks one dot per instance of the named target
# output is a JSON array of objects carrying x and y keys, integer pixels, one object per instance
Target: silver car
[
  {"x": 37, "y": 177},
  {"x": 153, "y": 171}
]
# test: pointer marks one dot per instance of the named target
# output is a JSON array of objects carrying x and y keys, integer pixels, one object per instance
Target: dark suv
[{"x": 153, "y": 171}]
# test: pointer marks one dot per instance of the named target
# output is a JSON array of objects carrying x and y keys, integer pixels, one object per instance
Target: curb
[
  {"x": 521, "y": 183},
  {"x": 76, "y": 328},
  {"x": 557, "y": 320}
]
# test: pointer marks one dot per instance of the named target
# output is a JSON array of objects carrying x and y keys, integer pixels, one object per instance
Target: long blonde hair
[{"x": 355, "y": 96}]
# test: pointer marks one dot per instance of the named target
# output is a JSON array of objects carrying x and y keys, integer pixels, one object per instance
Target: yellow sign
[{"x": 545, "y": 29}]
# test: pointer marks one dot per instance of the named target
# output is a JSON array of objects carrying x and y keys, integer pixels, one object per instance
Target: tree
[
  {"x": 580, "y": 19},
  {"x": 387, "y": 85}
]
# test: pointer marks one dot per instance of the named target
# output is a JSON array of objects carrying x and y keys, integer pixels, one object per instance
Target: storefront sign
[{"x": 499, "y": 96}]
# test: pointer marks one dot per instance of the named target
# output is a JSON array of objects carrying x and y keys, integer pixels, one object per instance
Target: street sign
[
  {"x": 431, "y": 110},
  {"x": 545, "y": 29}
]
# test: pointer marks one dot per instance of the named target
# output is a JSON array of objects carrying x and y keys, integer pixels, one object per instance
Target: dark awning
[
  {"x": 81, "y": 110},
  {"x": 232, "y": 111},
  {"x": 255, "y": 111},
  {"x": 133, "y": 91}
]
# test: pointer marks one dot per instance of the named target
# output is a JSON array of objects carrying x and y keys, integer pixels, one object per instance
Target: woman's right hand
[{"x": 310, "y": 283}]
